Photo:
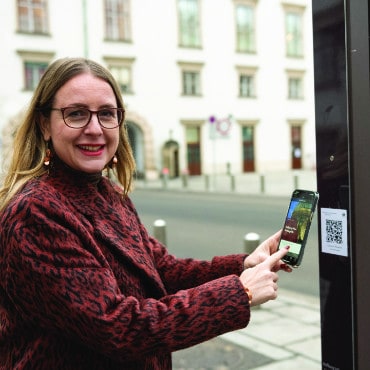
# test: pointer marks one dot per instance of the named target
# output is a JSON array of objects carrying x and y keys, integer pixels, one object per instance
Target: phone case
[{"x": 297, "y": 225}]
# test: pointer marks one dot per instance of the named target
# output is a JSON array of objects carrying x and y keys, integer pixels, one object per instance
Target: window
[
  {"x": 295, "y": 88},
  {"x": 117, "y": 20},
  {"x": 32, "y": 16},
  {"x": 190, "y": 74},
  {"x": 247, "y": 88},
  {"x": 192, "y": 134},
  {"x": 295, "y": 84},
  {"x": 34, "y": 66},
  {"x": 33, "y": 73},
  {"x": 189, "y": 23},
  {"x": 121, "y": 69},
  {"x": 190, "y": 83},
  {"x": 245, "y": 27},
  {"x": 293, "y": 32},
  {"x": 123, "y": 76}
]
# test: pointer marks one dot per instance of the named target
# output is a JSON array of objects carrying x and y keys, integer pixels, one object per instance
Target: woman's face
[{"x": 90, "y": 148}]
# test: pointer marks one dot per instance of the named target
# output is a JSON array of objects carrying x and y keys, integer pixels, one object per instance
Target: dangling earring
[
  {"x": 111, "y": 165},
  {"x": 47, "y": 157}
]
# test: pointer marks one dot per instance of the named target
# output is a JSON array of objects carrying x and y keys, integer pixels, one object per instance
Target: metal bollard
[
  {"x": 251, "y": 242},
  {"x": 232, "y": 182},
  {"x": 165, "y": 177},
  {"x": 164, "y": 181},
  {"x": 206, "y": 182},
  {"x": 295, "y": 181},
  {"x": 184, "y": 178},
  {"x": 228, "y": 168},
  {"x": 160, "y": 231},
  {"x": 262, "y": 183}
]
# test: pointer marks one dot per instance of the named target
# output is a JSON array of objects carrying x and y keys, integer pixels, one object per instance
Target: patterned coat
[{"x": 83, "y": 285}]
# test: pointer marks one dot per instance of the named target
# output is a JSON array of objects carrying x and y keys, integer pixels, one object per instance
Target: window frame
[
  {"x": 122, "y": 63},
  {"x": 33, "y": 72},
  {"x": 189, "y": 31},
  {"x": 248, "y": 72},
  {"x": 33, "y": 17},
  {"x": 248, "y": 34},
  {"x": 117, "y": 20},
  {"x": 294, "y": 38},
  {"x": 36, "y": 58},
  {"x": 194, "y": 70},
  {"x": 298, "y": 76}
]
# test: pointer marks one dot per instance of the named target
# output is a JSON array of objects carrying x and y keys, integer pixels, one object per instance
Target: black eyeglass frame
[{"x": 91, "y": 112}]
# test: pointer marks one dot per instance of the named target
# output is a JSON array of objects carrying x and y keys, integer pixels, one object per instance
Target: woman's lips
[{"x": 91, "y": 149}]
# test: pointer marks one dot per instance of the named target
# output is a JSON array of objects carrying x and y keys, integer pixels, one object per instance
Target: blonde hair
[{"x": 29, "y": 146}]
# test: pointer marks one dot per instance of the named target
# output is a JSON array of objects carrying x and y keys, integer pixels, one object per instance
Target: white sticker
[{"x": 334, "y": 231}]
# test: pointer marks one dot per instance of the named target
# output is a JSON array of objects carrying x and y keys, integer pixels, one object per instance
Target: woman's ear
[{"x": 45, "y": 127}]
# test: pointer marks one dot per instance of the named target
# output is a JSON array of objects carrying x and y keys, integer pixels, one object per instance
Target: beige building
[{"x": 210, "y": 86}]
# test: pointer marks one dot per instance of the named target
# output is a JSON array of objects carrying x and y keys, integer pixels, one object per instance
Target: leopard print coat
[{"x": 83, "y": 285}]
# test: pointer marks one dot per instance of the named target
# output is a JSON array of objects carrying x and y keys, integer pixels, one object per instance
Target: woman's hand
[
  {"x": 261, "y": 280},
  {"x": 265, "y": 250}
]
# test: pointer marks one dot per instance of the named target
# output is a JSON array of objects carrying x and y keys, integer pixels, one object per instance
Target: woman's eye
[
  {"x": 107, "y": 113},
  {"x": 77, "y": 113}
]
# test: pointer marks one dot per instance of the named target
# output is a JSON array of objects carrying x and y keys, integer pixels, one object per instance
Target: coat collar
[{"x": 113, "y": 219}]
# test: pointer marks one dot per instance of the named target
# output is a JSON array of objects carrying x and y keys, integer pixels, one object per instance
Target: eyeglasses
[{"x": 78, "y": 117}]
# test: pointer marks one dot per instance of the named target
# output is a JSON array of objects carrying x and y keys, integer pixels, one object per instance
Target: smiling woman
[
  {"x": 59, "y": 88},
  {"x": 76, "y": 134},
  {"x": 80, "y": 276}
]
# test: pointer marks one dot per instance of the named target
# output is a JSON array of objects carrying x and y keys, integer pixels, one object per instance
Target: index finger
[
  {"x": 276, "y": 257},
  {"x": 277, "y": 235}
]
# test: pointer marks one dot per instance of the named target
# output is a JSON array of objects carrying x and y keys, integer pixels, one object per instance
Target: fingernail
[{"x": 287, "y": 247}]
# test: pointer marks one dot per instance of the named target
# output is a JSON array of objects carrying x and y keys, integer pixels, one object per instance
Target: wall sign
[{"x": 334, "y": 231}]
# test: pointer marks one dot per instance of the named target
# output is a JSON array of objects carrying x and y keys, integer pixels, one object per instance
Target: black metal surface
[{"x": 332, "y": 141}]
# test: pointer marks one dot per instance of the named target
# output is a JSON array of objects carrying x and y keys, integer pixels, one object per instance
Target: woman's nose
[{"x": 94, "y": 126}]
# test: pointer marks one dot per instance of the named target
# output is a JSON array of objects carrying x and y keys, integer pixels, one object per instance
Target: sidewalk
[
  {"x": 283, "y": 334},
  {"x": 280, "y": 183}
]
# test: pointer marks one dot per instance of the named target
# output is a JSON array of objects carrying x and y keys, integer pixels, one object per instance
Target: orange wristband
[{"x": 249, "y": 294}]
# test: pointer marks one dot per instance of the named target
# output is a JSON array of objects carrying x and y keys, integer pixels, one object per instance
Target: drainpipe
[{"x": 85, "y": 30}]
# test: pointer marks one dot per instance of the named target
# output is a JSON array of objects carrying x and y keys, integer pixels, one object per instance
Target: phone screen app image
[{"x": 295, "y": 226}]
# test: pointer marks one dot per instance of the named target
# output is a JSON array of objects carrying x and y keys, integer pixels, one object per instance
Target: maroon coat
[{"x": 83, "y": 285}]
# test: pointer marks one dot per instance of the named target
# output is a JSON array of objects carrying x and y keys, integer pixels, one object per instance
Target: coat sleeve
[
  {"x": 184, "y": 273},
  {"x": 58, "y": 286}
]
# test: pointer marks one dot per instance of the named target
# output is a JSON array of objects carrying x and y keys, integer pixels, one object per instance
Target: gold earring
[{"x": 47, "y": 157}]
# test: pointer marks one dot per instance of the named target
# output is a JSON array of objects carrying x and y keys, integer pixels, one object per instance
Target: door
[
  {"x": 248, "y": 149},
  {"x": 193, "y": 150},
  {"x": 296, "y": 141}
]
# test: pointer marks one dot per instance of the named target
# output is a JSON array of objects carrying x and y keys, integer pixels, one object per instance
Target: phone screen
[{"x": 297, "y": 224}]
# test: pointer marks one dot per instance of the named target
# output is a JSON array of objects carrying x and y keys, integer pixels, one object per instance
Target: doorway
[{"x": 136, "y": 138}]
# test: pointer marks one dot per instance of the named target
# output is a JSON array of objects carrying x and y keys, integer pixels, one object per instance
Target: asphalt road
[{"x": 203, "y": 225}]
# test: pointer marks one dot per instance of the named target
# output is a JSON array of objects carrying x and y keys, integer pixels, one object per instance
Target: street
[{"x": 203, "y": 225}]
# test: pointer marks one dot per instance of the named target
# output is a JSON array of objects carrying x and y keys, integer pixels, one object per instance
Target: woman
[{"x": 82, "y": 284}]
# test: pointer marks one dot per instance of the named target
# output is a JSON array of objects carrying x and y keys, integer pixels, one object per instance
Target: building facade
[{"x": 210, "y": 86}]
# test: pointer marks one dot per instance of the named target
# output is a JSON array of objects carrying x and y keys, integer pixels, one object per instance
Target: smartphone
[{"x": 297, "y": 225}]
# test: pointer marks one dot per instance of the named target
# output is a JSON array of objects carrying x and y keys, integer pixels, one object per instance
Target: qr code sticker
[{"x": 334, "y": 231}]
